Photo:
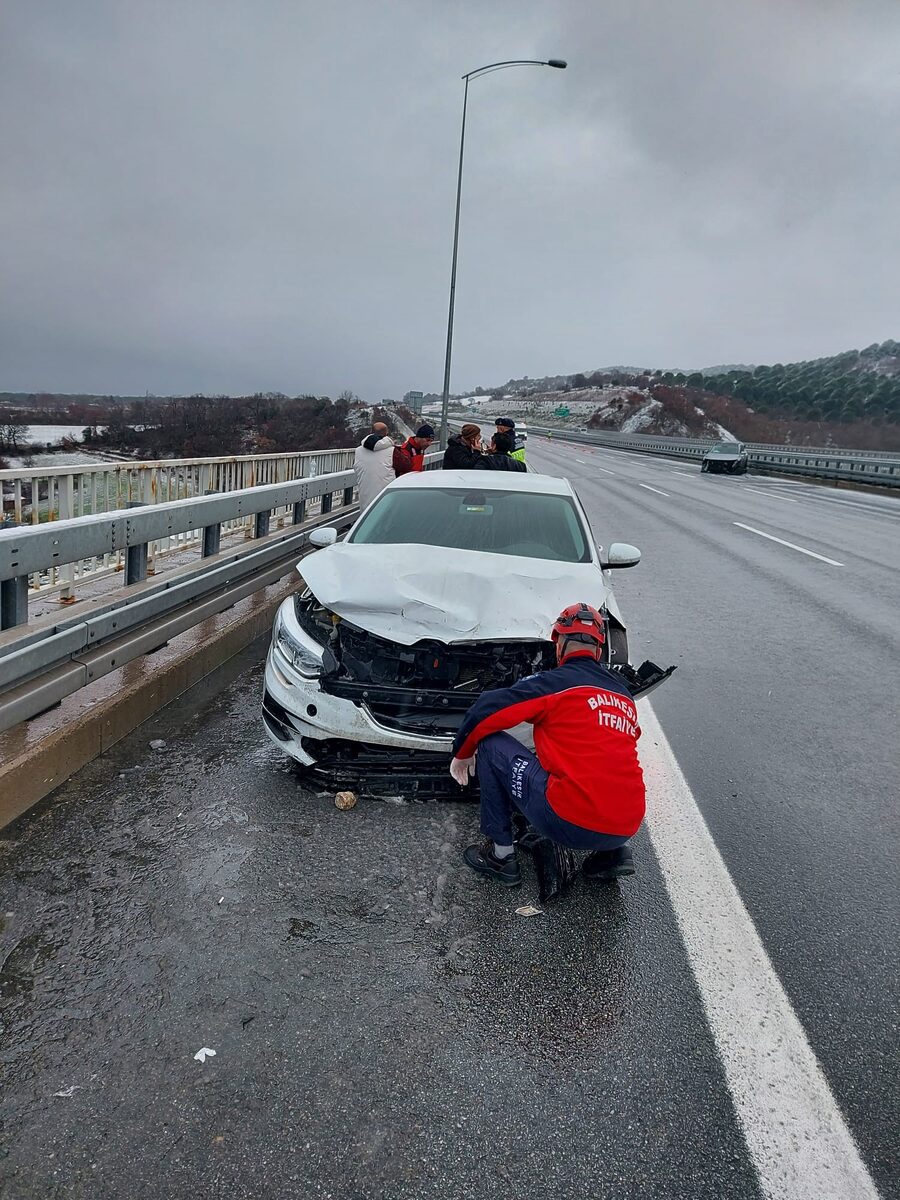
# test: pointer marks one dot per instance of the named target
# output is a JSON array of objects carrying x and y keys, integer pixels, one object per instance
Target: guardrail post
[
  {"x": 299, "y": 512},
  {"x": 261, "y": 524},
  {"x": 348, "y": 496},
  {"x": 66, "y": 495},
  {"x": 212, "y": 534},
  {"x": 13, "y": 595},
  {"x": 13, "y": 602},
  {"x": 135, "y": 557},
  {"x": 326, "y": 502}
]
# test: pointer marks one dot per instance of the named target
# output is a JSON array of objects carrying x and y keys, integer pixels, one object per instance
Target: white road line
[
  {"x": 605, "y": 470},
  {"x": 686, "y": 474},
  {"x": 794, "y": 1130},
  {"x": 653, "y": 489},
  {"x": 760, "y": 492},
  {"x": 782, "y": 542},
  {"x": 581, "y": 460}
]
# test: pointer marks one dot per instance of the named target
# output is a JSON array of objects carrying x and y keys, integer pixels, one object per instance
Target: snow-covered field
[{"x": 52, "y": 434}]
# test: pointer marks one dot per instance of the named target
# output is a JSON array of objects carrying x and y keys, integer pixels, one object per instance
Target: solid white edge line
[
  {"x": 760, "y": 492},
  {"x": 794, "y": 1130},
  {"x": 653, "y": 489},
  {"x": 812, "y": 554}
]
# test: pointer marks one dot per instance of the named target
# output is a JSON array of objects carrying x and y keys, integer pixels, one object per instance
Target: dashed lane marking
[
  {"x": 653, "y": 489},
  {"x": 791, "y": 545},
  {"x": 760, "y": 492},
  {"x": 794, "y": 1130}
]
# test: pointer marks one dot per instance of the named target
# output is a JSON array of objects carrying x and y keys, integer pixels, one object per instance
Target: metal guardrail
[
  {"x": 42, "y": 663},
  {"x": 24, "y": 551},
  {"x": 881, "y": 468},
  {"x": 40, "y": 494}
]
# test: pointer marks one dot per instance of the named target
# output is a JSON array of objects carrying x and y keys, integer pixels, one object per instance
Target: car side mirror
[
  {"x": 622, "y": 555},
  {"x": 325, "y": 535}
]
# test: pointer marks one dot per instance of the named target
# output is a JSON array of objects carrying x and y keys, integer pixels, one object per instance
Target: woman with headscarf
[{"x": 463, "y": 450}]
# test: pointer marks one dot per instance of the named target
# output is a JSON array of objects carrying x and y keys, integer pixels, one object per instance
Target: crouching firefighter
[{"x": 584, "y": 787}]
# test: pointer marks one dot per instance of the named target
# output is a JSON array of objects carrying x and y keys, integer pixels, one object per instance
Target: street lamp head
[{"x": 557, "y": 62}]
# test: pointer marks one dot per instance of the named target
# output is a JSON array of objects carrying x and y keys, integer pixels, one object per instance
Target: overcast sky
[{"x": 243, "y": 195}]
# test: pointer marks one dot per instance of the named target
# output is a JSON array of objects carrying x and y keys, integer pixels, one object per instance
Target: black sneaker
[
  {"x": 483, "y": 860},
  {"x": 609, "y": 864}
]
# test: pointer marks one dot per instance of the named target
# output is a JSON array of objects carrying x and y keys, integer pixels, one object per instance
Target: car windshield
[
  {"x": 727, "y": 448},
  {"x": 530, "y": 524}
]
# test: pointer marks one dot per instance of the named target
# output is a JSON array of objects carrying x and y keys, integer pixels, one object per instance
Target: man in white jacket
[{"x": 373, "y": 464}]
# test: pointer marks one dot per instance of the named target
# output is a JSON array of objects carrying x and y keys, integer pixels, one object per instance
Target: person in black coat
[
  {"x": 464, "y": 450},
  {"x": 498, "y": 459}
]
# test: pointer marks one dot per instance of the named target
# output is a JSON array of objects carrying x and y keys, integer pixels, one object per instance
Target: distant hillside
[{"x": 850, "y": 399}]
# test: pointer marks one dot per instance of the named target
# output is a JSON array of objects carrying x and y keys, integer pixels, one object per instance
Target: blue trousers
[{"x": 511, "y": 777}]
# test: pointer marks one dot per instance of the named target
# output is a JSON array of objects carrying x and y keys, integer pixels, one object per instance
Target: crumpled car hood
[{"x": 407, "y": 593}]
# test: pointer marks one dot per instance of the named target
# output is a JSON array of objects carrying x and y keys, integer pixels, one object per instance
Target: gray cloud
[{"x": 234, "y": 196}]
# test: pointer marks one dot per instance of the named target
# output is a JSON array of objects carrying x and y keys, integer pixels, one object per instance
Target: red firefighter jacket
[{"x": 585, "y": 735}]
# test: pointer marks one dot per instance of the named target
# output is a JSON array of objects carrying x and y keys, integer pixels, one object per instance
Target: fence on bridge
[
  {"x": 41, "y": 494},
  {"x": 44, "y": 661}
]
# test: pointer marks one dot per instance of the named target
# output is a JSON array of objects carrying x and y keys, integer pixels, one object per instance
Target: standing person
[
  {"x": 411, "y": 455},
  {"x": 584, "y": 787},
  {"x": 500, "y": 456},
  {"x": 508, "y": 425},
  {"x": 463, "y": 449},
  {"x": 373, "y": 464}
]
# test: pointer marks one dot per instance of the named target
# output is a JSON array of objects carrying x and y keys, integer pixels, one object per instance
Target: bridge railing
[
  {"x": 42, "y": 494},
  {"x": 43, "y": 661}
]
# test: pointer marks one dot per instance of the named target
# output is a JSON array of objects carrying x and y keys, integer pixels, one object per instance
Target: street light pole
[{"x": 498, "y": 66}]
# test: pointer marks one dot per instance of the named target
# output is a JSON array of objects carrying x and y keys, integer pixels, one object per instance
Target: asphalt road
[{"x": 385, "y": 1024}]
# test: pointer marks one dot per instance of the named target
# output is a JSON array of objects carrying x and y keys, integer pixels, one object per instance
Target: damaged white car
[{"x": 446, "y": 586}]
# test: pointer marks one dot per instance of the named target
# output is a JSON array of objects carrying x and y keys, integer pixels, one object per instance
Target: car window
[{"x": 528, "y": 524}]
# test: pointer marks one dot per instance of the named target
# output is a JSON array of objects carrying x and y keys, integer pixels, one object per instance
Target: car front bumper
[{"x": 339, "y": 741}]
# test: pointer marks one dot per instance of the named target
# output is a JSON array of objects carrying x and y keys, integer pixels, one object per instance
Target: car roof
[{"x": 484, "y": 481}]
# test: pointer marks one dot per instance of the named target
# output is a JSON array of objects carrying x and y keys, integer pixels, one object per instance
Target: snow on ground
[{"x": 640, "y": 419}]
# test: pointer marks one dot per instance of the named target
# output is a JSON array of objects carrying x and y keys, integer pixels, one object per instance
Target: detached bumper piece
[{"x": 645, "y": 679}]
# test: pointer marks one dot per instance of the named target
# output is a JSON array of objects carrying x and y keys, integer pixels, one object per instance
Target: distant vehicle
[{"x": 729, "y": 458}]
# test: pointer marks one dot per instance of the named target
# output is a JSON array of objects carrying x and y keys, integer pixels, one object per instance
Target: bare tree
[{"x": 11, "y": 434}]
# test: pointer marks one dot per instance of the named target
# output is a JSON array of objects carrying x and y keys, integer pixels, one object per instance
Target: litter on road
[
  {"x": 529, "y": 910},
  {"x": 204, "y": 1053},
  {"x": 158, "y": 744},
  {"x": 345, "y": 800}
]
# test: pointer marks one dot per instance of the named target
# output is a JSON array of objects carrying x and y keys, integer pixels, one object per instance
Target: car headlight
[{"x": 304, "y": 657}]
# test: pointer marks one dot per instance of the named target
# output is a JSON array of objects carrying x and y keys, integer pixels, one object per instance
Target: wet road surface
[{"x": 384, "y": 1023}]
